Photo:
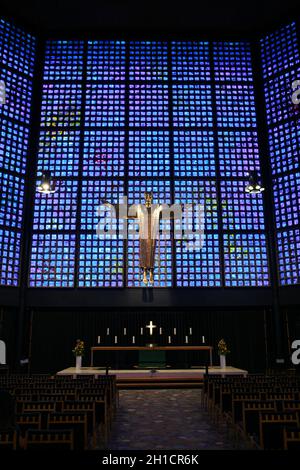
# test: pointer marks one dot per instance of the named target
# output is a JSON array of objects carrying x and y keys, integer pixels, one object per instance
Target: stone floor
[{"x": 165, "y": 419}]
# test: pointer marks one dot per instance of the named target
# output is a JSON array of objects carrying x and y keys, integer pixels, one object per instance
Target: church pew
[
  {"x": 271, "y": 428},
  {"x": 47, "y": 439},
  {"x": 27, "y": 421},
  {"x": 291, "y": 438},
  {"x": 89, "y": 409},
  {"x": 76, "y": 421},
  {"x": 291, "y": 405},
  {"x": 103, "y": 419},
  {"x": 8, "y": 440},
  {"x": 42, "y": 407},
  {"x": 251, "y": 412},
  {"x": 237, "y": 404}
]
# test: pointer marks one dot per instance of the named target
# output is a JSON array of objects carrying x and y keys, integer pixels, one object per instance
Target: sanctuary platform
[{"x": 156, "y": 378}]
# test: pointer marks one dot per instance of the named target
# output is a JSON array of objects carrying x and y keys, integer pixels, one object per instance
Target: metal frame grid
[
  {"x": 146, "y": 115},
  {"x": 280, "y": 50},
  {"x": 17, "y": 58},
  {"x": 284, "y": 147},
  {"x": 287, "y": 200},
  {"x": 246, "y": 260},
  {"x": 289, "y": 256},
  {"x": 52, "y": 259},
  {"x": 238, "y": 153},
  {"x": 64, "y": 60},
  {"x": 281, "y": 67},
  {"x": 106, "y": 60}
]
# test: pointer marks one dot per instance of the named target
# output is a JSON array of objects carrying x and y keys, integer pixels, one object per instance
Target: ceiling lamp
[
  {"x": 47, "y": 185},
  {"x": 254, "y": 186}
]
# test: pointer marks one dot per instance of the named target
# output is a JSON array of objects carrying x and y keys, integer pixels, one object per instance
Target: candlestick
[
  {"x": 107, "y": 331},
  {"x": 169, "y": 339},
  {"x": 142, "y": 331},
  {"x": 190, "y": 331},
  {"x": 116, "y": 339},
  {"x": 99, "y": 341},
  {"x": 133, "y": 340},
  {"x": 160, "y": 331},
  {"x": 174, "y": 331},
  {"x": 125, "y": 331},
  {"x": 186, "y": 339},
  {"x": 203, "y": 339}
]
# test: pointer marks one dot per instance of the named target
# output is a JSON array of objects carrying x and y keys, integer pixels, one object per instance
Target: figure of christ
[{"x": 148, "y": 216}]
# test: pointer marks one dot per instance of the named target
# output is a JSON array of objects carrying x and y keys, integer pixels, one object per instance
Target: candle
[
  {"x": 203, "y": 339},
  {"x": 125, "y": 331},
  {"x": 99, "y": 340},
  {"x": 169, "y": 339},
  {"x": 160, "y": 331},
  {"x": 186, "y": 339},
  {"x": 133, "y": 340},
  {"x": 107, "y": 331},
  {"x": 190, "y": 331},
  {"x": 116, "y": 339},
  {"x": 174, "y": 331},
  {"x": 142, "y": 331}
]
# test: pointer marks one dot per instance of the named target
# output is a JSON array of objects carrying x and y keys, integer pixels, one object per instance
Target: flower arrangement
[
  {"x": 222, "y": 348},
  {"x": 79, "y": 348}
]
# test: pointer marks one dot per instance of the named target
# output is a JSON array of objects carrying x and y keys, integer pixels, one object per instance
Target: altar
[{"x": 208, "y": 349}]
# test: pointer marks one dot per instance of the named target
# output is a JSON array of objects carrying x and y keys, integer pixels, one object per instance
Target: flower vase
[
  {"x": 78, "y": 362},
  {"x": 222, "y": 361}
]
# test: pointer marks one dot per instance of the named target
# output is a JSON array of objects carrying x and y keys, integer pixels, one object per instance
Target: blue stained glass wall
[
  {"x": 241, "y": 215},
  {"x": 17, "y": 58},
  {"x": 124, "y": 117},
  {"x": 281, "y": 67}
]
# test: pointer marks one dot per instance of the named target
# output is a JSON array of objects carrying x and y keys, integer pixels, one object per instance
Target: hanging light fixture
[
  {"x": 254, "y": 186},
  {"x": 47, "y": 185}
]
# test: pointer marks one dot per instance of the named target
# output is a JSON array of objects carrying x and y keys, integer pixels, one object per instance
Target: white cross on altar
[{"x": 151, "y": 327}]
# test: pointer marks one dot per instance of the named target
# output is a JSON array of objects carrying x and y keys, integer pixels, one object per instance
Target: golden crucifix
[{"x": 148, "y": 216}]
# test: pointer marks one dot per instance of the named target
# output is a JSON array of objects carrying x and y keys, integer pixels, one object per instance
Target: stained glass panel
[
  {"x": 288, "y": 243},
  {"x": 106, "y": 60},
  {"x": 190, "y": 60},
  {"x": 246, "y": 260},
  {"x": 64, "y": 60},
  {"x": 52, "y": 260},
  {"x": 232, "y": 61},
  {"x": 194, "y": 154},
  {"x": 148, "y": 60},
  {"x": 280, "y": 50}
]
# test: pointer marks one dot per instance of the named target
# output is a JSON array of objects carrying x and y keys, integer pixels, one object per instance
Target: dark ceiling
[{"x": 154, "y": 17}]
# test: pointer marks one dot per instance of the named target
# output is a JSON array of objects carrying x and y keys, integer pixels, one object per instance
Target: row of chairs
[
  {"x": 84, "y": 406},
  {"x": 39, "y": 440},
  {"x": 263, "y": 410}
]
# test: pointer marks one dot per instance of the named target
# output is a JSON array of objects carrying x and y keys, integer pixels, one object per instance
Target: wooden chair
[
  {"x": 29, "y": 421},
  {"x": 8, "y": 440},
  {"x": 251, "y": 412},
  {"x": 19, "y": 400},
  {"x": 237, "y": 404},
  {"x": 42, "y": 407},
  {"x": 291, "y": 439},
  {"x": 88, "y": 408},
  {"x": 46, "y": 439},
  {"x": 271, "y": 426},
  {"x": 76, "y": 421},
  {"x": 102, "y": 415},
  {"x": 291, "y": 405}
]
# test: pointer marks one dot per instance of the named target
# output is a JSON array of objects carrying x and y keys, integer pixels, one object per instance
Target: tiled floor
[{"x": 165, "y": 419}]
